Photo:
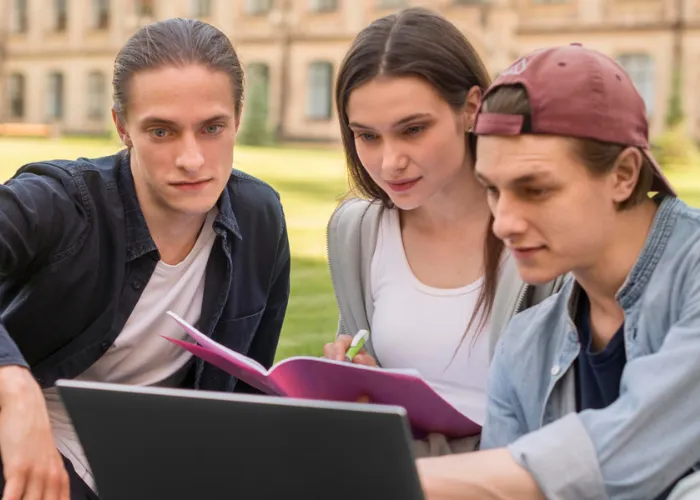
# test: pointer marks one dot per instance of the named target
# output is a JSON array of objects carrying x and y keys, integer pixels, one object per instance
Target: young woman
[
  {"x": 593, "y": 393},
  {"x": 412, "y": 259}
]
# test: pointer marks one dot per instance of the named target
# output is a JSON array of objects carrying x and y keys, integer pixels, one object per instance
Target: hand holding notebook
[{"x": 324, "y": 379}]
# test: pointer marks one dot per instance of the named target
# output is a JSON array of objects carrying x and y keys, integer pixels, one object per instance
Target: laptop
[{"x": 177, "y": 444}]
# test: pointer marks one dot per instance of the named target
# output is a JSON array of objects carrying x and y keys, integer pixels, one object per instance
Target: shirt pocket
[{"x": 238, "y": 333}]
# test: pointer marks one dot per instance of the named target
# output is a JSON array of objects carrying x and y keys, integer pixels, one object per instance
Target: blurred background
[{"x": 56, "y": 61}]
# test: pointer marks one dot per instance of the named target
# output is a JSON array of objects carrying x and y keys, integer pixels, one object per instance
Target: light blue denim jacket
[{"x": 639, "y": 445}]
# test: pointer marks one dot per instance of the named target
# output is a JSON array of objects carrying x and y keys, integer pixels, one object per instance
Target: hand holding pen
[{"x": 350, "y": 349}]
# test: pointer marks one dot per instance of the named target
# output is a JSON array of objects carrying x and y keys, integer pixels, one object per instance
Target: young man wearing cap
[{"x": 594, "y": 393}]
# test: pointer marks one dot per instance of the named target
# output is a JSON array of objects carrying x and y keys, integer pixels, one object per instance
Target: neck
[
  {"x": 603, "y": 280},
  {"x": 175, "y": 236},
  {"x": 462, "y": 203}
]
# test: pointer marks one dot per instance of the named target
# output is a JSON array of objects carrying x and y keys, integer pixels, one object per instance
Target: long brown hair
[{"x": 421, "y": 43}]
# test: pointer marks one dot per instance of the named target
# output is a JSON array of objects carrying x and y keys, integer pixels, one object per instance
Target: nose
[
  {"x": 190, "y": 157},
  {"x": 508, "y": 221},
  {"x": 393, "y": 157}
]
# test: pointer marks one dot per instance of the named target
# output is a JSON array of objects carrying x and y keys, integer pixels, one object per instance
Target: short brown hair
[{"x": 598, "y": 157}]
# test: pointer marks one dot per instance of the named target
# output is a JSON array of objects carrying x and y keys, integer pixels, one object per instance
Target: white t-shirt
[
  {"x": 420, "y": 327},
  {"x": 139, "y": 355}
]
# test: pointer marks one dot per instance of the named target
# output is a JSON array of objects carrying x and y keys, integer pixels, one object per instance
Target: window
[
  {"x": 257, "y": 7},
  {"x": 96, "y": 95},
  {"x": 60, "y": 15},
  {"x": 640, "y": 68},
  {"x": 100, "y": 14},
  {"x": 15, "y": 87},
  {"x": 323, "y": 5},
  {"x": 145, "y": 8},
  {"x": 318, "y": 98},
  {"x": 389, "y": 4},
  {"x": 201, "y": 8},
  {"x": 18, "y": 19},
  {"x": 54, "y": 97}
]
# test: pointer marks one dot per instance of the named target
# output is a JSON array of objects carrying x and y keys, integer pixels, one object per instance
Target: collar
[{"x": 654, "y": 246}]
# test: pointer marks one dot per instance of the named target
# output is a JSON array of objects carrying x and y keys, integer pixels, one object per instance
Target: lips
[
  {"x": 190, "y": 185},
  {"x": 403, "y": 185},
  {"x": 526, "y": 252}
]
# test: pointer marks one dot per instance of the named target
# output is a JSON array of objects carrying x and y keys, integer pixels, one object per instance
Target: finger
[
  {"x": 329, "y": 351},
  {"x": 57, "y": 483},
  {"x": 363, "y": 399},
  {"x": 34, "y": 488},
  {"x": 343, "y": 341},
  {"x": 363, "y": 358},
  {"x": 14, "y": 487}
]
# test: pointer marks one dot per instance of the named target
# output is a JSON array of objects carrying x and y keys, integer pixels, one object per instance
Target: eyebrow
[
  {"x": 402, "y": 121},
  {"x": 154, "y": 120},
  {"x": 519, "y": 181}
]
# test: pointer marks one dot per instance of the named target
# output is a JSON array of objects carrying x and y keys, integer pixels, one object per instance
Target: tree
[{"x": 255, "y": 129}]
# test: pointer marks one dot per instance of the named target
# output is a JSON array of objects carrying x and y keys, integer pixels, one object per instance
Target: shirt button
[
  {"x": 137, "y": 285},
  {"x": 555, "y": 370}
]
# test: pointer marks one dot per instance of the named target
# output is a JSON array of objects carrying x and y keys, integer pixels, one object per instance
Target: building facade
[{"x": 56, "y": 56}]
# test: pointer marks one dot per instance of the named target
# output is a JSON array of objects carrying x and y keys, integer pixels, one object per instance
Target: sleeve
[
  {"x": 38, "y": 218},
  {"x": 643, "y": 442}
]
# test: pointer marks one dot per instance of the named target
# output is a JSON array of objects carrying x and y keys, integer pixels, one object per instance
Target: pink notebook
[{"x": 325, "y": 379}]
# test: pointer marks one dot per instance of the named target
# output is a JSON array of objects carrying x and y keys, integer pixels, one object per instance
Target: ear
[
  {"x": 120, "y": 129},
  {"x": 471, "y": 105},
  {"x": 625, "y": 174}
]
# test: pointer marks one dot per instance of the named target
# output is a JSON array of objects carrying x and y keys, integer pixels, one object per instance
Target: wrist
[{"x": 16, "y": 382}]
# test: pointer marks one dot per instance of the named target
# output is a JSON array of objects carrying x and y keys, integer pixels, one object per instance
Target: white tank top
[{"x": 420, "y": 327}]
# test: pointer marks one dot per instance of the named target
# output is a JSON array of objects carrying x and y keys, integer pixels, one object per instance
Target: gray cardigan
[{"x": 352, "y": 237}]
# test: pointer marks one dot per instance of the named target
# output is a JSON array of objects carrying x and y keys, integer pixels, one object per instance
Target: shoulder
[
  {"x": 253, "y": 198},
  {"x": 78, "y": 180},
  {"x": 252, "y": 188},
  {"x": 354, "y": 216}
]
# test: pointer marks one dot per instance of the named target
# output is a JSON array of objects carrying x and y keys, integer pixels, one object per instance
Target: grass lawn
[{"x": 310, "y": 182}]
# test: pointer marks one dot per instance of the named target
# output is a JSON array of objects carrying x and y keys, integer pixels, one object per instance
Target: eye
[
  {"x": 491, "y": 191},
  {"x": 366, "y": 136},
  {"x": 213, "y": 129},
  {"x": 415, "y": 129},
  {"x": 158, "y": 133},
  {"x": 536, "y": 192}
]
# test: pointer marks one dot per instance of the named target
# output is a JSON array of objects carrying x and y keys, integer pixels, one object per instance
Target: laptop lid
[{"x": 154, "y": 442}]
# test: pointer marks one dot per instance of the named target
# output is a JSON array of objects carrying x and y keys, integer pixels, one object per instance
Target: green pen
[{"x": 357, "y": 342}]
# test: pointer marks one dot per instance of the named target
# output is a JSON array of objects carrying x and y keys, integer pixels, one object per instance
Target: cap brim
[{"x": 660, "y": 184}]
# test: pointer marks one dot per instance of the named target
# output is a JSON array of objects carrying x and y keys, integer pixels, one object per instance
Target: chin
[
  {"x": 538, "y": 275},
  {"x": 407, "y": 202},
  {"x": 195, "y": 208}
]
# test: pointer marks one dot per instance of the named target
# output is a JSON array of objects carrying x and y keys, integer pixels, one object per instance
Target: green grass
[{"x": 310, "y": 183}]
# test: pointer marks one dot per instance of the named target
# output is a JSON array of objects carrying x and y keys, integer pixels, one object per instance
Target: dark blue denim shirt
[{"x": 76, "y": 254}]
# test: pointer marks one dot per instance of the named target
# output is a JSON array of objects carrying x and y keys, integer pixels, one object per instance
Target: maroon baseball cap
[{"x": 575, "y": 92}]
